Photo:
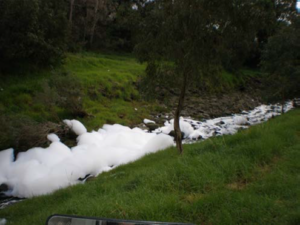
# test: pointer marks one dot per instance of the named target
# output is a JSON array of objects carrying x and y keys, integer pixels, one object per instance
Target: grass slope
[
  {"x": 106, "y": 84},
  {"x": 248, "y": 178},
  {"x": 109, "y": 84},
  {"x": 103, "y": 86}
]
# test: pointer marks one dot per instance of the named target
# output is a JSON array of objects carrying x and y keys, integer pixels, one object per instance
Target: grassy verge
[{"x": 249, "y": 178}]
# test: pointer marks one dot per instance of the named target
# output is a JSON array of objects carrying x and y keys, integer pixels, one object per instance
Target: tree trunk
[
  {"x": 177, "y": 131},
  {"x": 96, "y": 18},
  {"x": 85, "y": 24},
  {"x": 282, "y": 104},
  {"x": 71, "y": 11}
]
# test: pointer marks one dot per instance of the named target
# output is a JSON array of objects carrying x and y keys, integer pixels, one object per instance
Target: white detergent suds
[
  {"x": 41, "y": 171},
  {"x": 196, "y": 130}
]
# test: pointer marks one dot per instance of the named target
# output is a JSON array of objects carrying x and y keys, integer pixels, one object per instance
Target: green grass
[
  {"x": 248, "y": 178},
  {"x": 109, "y": 84},
  {"x": 103, "y": 85},
  {"x": 237, "y": 79}
]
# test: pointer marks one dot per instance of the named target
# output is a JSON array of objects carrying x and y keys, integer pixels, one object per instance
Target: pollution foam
[{"x": 41, "y": 171}]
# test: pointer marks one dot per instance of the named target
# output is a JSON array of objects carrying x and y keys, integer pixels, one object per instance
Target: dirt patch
[
  {"x": 192, "y": 197},
  {"x": 237, "y": 186},
  {"x": 267, "y": 168}
]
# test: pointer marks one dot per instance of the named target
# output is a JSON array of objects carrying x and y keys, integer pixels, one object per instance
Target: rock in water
[
  {"x": 152, "y": 126},
  {"x": 172, "y": 134}
]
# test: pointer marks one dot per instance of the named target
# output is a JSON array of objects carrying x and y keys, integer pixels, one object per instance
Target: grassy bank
[
  {"x": 93, "y": 88},
  {"x": 249, "y": 178},
  {"x": 105, "y": 86}
]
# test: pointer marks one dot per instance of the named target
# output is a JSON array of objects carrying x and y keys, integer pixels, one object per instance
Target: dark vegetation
[
  {"x": 248, "y": 178},
  {"x": 33, "y": 34}
]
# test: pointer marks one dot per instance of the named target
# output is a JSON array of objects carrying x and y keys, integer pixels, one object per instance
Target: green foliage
[
  {"x": 32, "y": 32},
  {"x": 109, "y": 84},
  {"x": 281, "y": 60},
  {"x": 247, "y": 178}
]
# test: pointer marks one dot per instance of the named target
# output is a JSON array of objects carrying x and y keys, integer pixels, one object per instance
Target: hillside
[
  {"x": 250, "y": 177},
  {"x": 97, "y": 89}
]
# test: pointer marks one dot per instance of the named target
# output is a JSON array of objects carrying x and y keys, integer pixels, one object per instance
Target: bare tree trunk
[
  {"x": 282, "y": 104},
  {"x": 71, "y": 11},
  {"x": 96, "y": 18},
  {"x": 177, "y": 131},
  {"x": 85, "y": 23}
]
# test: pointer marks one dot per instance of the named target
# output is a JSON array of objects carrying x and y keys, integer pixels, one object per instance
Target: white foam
[
  {"x": 53, "y": 138},
  {"x": 195, "y": 130},
  {"x": 146, "y": 121},
  {"x": 240, "y": 120},
  {"x": 76, "y": 126},
  {"x": 41, "y": 171}
]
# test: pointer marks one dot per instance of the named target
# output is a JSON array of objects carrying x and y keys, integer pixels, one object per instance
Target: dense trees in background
[
  {"x": 281, "y": 60},
  {"x": 108, "y": 24},
  {"x": 32, "y": 32},
  {"x": 38, "y": 32}
]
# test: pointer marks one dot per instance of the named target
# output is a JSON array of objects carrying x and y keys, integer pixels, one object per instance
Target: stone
[
  {"x": 172, "y": 134},
  {"x": 152, "y": 126},
  {"x": 3, "y": 187},
  {"x": 198, "y": 138}
]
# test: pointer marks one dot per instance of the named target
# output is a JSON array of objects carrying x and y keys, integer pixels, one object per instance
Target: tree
[
  {"x": 281, "y": 59},
  {"x": 71, "y": 12},
  {"x": 32, "y": 32},
  {"x": 194, "y": 36}
]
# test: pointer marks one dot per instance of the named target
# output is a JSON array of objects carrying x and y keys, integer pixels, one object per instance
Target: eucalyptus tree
[{"x": 193, "y": 37}]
